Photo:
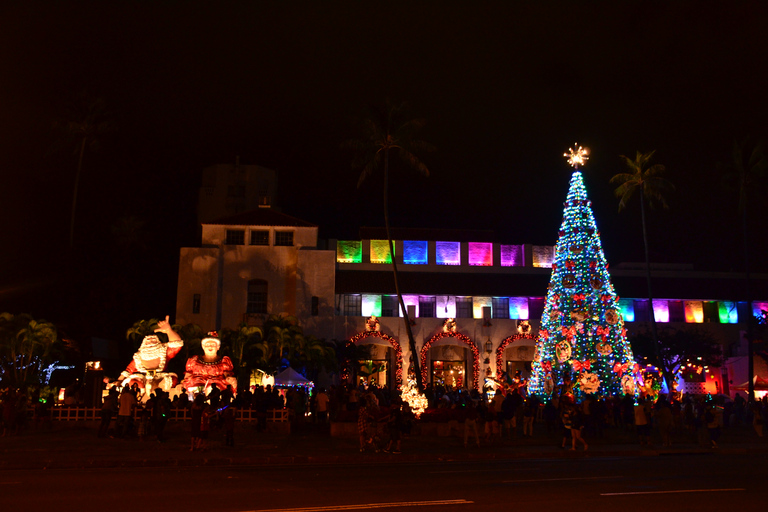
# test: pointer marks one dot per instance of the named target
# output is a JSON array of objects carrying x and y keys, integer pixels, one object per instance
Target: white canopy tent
[{"x": 290, "y": 377}]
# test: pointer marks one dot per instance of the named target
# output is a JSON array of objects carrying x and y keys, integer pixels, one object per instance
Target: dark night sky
[{"x": 506, "y": 88}]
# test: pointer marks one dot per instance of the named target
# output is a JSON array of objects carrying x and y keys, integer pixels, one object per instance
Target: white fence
[{"x": 180, "y": 414}]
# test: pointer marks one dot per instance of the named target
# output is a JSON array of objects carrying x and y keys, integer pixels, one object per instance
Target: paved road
[{"x": 679, "y": 482}]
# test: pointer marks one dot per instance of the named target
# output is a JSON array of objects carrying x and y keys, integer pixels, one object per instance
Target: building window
[
  {"x": 353, "y": 305},
  {"x": 427, "y": 307},
  {"x": 259, "y": 237},
  {"x": 235, "y": 237},
  {"x": 257, "y": 297},
  {"x": 500, "y": 307},
  {"x": 389, "y": 305},
  {"x": 464, "y": 308},
  {"x": 284, "y": 238},
  {"x": 196, "y": 304},
  {"x": 315, "y": 306}
]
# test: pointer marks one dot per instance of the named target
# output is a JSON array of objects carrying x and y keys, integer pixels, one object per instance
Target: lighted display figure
[
  {"x": 203, "y": 372},
  {"x": 147, "y": 369},
  {"x": 582, "y": 347}
]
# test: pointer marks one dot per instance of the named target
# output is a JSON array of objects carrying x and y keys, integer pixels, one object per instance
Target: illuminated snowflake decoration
[{"x": 577, "y": 156}]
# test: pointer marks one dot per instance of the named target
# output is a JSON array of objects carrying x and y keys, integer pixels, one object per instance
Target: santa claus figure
[
  {"x": 203, "y": 372},
  {"x": 147, "y": 369}
]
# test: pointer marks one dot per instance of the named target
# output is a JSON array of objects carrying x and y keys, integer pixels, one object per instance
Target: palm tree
[
  {"x": 84, "y": 127},
  {"x": 748, "y": 174},
  {"x": 384, "y": 131},
  {"x": 246, "y": 348},
  {"x": 647, "y": 179},
  {"x": 25, "y": 344}
]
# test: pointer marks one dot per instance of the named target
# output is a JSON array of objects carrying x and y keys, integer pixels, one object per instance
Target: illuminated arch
[
  {"x": 461, "y": 337},
  {"x": 395, "y": 345},
  {"x": 503, "y": 347}
]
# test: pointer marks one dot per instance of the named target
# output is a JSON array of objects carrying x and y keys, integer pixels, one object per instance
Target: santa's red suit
[{"x": 147, "y": 368}]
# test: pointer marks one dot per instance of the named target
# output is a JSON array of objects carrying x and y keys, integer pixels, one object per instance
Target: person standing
[
  {"x": 108, "y": 408},
  {"x": 643, "y": 422},
  {"x": 127, "y": 404},
  {"x": 321, "y": 406},
  {"x": 160, "y": 413},
  {"x": 470, "y": 423}
]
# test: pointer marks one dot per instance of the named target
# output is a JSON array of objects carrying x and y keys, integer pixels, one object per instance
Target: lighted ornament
[
  {"x": 589, "y": 382},
  {"x": 603, "y": 348},
  {"x": 612, "y": 316},
  {"x": 577, "y": 156},
  {"x": 416, "y": 400},
  {"x": 628, "y": 384},
  {"x": 563, "y": 351}
]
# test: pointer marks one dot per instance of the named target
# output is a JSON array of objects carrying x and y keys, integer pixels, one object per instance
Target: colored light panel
[
  {"x": 661, "y": 310},
  {"x": 415, "y": 252},
  {"x": 371, "y": 305},
  {"x": 478, "y": 303},
  {"x": 448, "y": 253},
  {"x": 758, "y": 308},
  {"x": 627, "y": 307},
  {"x": 727, "y": 312},
  {"x": 349, "y": 251},
  {"x": 512, "y": 256},
  {"x": 380, "y": 251},
  {"x": 480, "y": 254},
  {"x": 446, "y": 306},
  {"x": 518, "y": 308},
  {"x": 411, "y": 300},
  {"x": 694, "y": 311},
  {"x": 543, "y": 256}
]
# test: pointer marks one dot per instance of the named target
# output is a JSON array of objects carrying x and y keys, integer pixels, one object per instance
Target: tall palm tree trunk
[
  {"x": 406, "y": 319},
  {"x": 654, "y": 331},
  {"x": 74, "y": 194},
  {"x": 750, "y": 320}
]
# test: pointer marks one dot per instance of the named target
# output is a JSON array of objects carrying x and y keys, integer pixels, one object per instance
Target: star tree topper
[{"x": 577, "y": 156}]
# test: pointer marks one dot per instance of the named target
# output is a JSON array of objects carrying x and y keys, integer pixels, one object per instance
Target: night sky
[{"x": 505, "y": 87}]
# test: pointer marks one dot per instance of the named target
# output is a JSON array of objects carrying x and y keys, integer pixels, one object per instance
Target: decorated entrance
[
  {"x": 378, "y": 365},
  {"x": 519, "y": 351},
  {"x": 441, "y": 368}
]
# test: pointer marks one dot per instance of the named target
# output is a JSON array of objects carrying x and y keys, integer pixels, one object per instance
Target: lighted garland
[
  {"x": 465, "y": 340},
  {"x": 503, "y": 347},
  {"x": 395, "y": 345}
]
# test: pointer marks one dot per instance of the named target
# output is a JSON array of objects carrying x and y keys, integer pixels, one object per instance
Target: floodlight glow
[
  {"x": 694, "y": 311},
  {"x": 371, "y": 305},
  {"x": 448, "y": 253},
  {"x": 518, "y": 308},
  {"x": 627, "y": 307},
  {"x": 543, "y": 256},
  {"x": 478, "y": 303},
  {"x": 415, "y": 252},
  {"x": 380, "y": 251},
  {"x": 728, "y": 313},
  {"x": 512, "y": 256},
  {"x": 480, "y": 254},
  {"x": 661, "y": 310},
  {"x": 349, "y": 251}
]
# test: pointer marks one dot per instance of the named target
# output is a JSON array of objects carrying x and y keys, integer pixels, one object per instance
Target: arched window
[{"x": 257, "y": 297}]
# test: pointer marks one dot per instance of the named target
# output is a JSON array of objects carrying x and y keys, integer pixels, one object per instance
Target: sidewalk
[{"x": 74, "y": 445}]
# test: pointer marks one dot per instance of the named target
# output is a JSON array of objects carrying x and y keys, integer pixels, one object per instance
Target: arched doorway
[
  {"x": 463, "y": 339},
  {"x": 395, "y": 368},
  {"x": 524, "y": 346}
]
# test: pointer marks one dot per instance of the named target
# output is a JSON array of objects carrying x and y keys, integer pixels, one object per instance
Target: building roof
[
  {"x": 453, "y": 235},
  {"x": 262, "y": 217}
]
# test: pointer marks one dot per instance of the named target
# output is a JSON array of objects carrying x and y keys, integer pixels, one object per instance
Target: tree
[
  {"x": 653, "y": 187},
  {"x": 246, "y": 347},
  {"x": 383, "y": 131},
  {"x": 747, "y": 172},
  {"x": 25, "y": 347},
  {"x": 84, "y": 127},
  {"x": 679, "y": 347},
  {"x": 582, "y": 346}
]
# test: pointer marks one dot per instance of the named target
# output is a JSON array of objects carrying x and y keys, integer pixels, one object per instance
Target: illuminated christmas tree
[{"x": 582, "y": 347}]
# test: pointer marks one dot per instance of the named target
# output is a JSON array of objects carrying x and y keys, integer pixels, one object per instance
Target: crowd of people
[{"x": 489, "y": 417}]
